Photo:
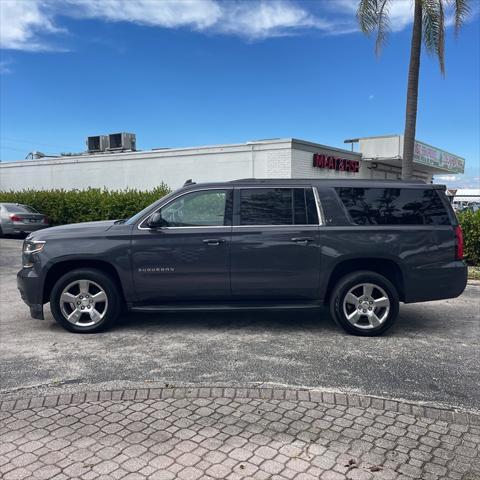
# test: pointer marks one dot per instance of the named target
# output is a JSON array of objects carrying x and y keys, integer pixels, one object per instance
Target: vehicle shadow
[
  {"x": 318, "y": 320},
  {"x": 412, "y": 321}
]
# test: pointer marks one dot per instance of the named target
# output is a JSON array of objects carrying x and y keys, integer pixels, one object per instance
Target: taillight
[
  {"x": 45, "y": 219},
  {"x": 459, "y": 243},
  {"x": 14, "y": 218}
]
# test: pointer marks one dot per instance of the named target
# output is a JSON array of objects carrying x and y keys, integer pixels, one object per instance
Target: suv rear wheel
[
  {"x": 85, "y": 301},
  {"x": 364, "y": 303}
]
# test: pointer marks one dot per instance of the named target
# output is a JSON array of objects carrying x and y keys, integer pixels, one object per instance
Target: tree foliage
[{"x": 374, "y": 19}]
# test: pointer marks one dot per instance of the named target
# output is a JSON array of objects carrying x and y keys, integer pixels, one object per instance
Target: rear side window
[
  {"x": 394, "y": 206},
  {"x": 277, "y": 206}
]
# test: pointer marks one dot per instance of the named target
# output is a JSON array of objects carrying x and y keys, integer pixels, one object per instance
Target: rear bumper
[
  {"x": 426, "y": 284},
  {"x": 31, "y": 291},
  {"x": 17, "y": 228}
]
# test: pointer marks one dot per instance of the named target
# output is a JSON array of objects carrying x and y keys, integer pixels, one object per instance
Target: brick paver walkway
[{"x": 234, "y": 434}]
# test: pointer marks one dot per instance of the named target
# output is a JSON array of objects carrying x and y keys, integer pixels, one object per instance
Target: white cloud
[
  {"x": 22, "y": 21},
  {"x": 25, "y": 22},
  {"x": 267, "y": 19},
  {"x": 199, "y": 14},
  {"x": 252, "y": 19}
]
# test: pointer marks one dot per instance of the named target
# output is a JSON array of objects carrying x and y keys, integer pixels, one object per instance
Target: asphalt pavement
[{"x": 431, "y": 355}]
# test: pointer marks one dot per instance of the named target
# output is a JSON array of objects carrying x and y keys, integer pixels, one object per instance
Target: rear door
[{"x": 275, "y": 251}]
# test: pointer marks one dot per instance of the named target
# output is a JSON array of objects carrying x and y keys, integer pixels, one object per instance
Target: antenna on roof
[{"x": 189, "y": 182}]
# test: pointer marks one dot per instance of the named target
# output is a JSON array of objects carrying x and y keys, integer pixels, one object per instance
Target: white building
[{"x": 379, "y": 157}]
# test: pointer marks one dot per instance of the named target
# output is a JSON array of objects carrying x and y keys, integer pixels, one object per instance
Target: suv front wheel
[
  {"x": 364, "y": 303},
  {"x": 85, "y": 301}
]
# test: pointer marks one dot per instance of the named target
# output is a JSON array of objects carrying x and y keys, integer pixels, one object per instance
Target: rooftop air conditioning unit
[
  {"x": 122, "y": 141},
  {"x": 97, "y": 143}
]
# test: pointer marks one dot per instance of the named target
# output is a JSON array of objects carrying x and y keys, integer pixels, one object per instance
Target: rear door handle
[
  {"x": 302, "y": 240},
  {"x": 213, "y": 241}
]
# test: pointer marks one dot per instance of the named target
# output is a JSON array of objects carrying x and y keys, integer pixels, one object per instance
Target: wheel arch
[
  {"x": 383, "y": 266},
  {"x": 60, "y": 268}
]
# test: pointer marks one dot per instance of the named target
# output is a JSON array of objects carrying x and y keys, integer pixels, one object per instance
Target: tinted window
[
  {"x": 266, "y": 206},
  {"x": 299, "y": 210},
  {"x": 19, "y": 208},
  {"x": 311, "y": 203},
  {"x": 394, "y": 206},
  {"x": 204, "y": 208},
  {"x": 277, "y": 206}
]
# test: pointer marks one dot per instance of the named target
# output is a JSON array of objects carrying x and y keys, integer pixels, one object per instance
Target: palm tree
[{"x": 429, "y": 23}]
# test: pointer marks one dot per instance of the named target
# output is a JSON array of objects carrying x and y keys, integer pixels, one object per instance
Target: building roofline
[
  {"x": 297, "y": 141},
  {"x": 176, "y": 150}
]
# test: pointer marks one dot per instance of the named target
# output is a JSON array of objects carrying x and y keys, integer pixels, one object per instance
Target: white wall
[{"x": 145, "y": 170}]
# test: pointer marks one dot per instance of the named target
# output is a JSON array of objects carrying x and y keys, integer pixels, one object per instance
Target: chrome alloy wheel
[
  {"x": 83, "y": 303},
  {"x": 366, "y": 306}
]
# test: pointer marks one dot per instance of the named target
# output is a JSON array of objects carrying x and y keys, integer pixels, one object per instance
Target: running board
[{"x": 223, "y": 307}]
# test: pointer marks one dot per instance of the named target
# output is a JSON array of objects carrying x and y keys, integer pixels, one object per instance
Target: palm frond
[
  {"x": 367, "y": 15},
  {"x": 434, "y": 29},
  {"x": 441, "y": 37},
  {"x": 372, "y": 16},
  {"x": 383, "y": 26},
  {"x": 462, "y": 11}
]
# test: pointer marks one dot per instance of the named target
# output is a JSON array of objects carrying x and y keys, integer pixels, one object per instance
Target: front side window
[
  {"x": 277, "y": 206},
  {"x": 198, "y": 209},
  {"x": 394, "y": 206}
]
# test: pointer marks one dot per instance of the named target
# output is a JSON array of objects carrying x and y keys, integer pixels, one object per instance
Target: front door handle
[
  {"x": 302, "y": 240},
  {"x": 213, "y": 241}
]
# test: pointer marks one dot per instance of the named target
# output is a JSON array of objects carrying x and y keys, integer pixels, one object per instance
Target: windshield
[{"x": 141, "y": 213}]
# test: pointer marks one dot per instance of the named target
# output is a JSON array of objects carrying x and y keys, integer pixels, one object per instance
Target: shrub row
[
  {"x": 72, "y": 206},
  {"x": 470, "y": 222}
]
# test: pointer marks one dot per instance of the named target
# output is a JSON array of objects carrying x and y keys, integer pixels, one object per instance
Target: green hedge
[
  {"x": 470, "y": 222},
  {"x": 72, "y": 206}
]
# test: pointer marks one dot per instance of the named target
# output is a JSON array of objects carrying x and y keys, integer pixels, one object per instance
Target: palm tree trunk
[{"x": 412, "y": 93}]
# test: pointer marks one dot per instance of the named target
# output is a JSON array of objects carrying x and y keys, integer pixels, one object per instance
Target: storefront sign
[
  {"x": 427, "y": 155},
  {"x": 335, "y": 163}
]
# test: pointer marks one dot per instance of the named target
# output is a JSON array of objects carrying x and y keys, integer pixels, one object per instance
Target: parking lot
[{"x": 431, "y": 354}]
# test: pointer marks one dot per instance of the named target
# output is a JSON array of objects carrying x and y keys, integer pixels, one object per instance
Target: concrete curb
[{"x": 316, "y": 396}]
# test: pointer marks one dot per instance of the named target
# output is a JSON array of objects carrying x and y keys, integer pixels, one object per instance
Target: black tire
[
  {"x": 110, "y": 309},
  {"x": 366, "y": 325},
  {"x": 1, "y": 232}
]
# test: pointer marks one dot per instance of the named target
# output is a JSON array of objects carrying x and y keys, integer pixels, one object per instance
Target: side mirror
[{"x": 156, "y": 221}]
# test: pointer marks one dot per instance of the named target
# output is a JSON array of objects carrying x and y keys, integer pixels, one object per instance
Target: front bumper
[{"x": 30, "y": 286}]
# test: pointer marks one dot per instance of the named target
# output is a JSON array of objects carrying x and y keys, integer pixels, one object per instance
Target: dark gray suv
[{"x": 360, "y": 247}]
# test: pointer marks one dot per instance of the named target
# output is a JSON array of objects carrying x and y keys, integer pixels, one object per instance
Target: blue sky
[{"x": 197, "y": 72}]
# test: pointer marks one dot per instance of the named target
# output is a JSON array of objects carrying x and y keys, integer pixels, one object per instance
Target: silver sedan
[{"x": 16, "y": 218}]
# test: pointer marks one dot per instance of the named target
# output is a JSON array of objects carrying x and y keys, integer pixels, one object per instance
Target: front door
[
  {"x": 187, "y": 258},
  {"x": 275, "y": 249}
]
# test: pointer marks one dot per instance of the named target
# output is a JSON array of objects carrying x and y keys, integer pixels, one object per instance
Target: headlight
[{"x": 33, "y": 246}]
